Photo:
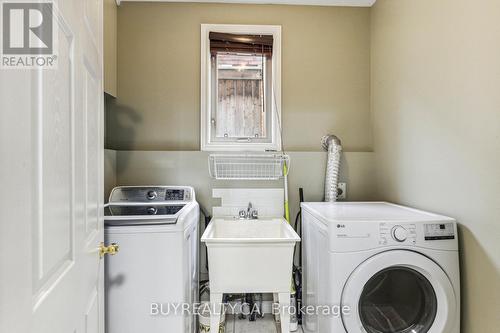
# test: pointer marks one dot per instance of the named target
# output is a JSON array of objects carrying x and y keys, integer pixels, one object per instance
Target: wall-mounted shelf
[{"x": 247, "y": 167}]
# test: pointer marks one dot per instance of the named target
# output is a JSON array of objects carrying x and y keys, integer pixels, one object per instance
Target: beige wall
[
  {"x": 436, "y": 110},
  {"x": 325, "y": 73},
  {"x": 190, "y": 168},
  {"x": 110, "y": 40}
]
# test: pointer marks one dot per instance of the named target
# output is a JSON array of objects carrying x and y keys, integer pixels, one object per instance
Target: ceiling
[{"x": 353, "y": 3}]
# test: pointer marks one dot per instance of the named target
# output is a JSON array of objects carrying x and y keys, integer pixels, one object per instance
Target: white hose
[{"x": 334, "y": 148}]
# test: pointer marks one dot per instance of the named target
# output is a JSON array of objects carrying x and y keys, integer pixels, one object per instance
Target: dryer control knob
[{"x": 399, "y": 233}]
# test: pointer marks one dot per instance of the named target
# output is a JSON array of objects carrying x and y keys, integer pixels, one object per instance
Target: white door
[
  {"x": 399, "y": 291},
  {"x": 51, "y": 180}
]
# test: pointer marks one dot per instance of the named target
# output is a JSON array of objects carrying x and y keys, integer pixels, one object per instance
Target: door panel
[
  {"x": 51, "y": 213},
  {"x": 92, "y": 313},
  {"x": 92, "y": 122},
  {"x": 54, "y": 173},
  {"x": 92, "y": 12}
]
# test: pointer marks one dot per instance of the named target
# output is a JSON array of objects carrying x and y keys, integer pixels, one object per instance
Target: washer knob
[
  {"x": 152, "y": 195},
  {"x": 399, "y": 233}
]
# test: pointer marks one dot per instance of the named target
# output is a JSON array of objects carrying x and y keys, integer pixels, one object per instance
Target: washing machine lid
[{"x": 399, "y": 291}]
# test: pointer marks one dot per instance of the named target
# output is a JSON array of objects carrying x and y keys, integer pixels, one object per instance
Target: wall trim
[{"x": 346, "y": 3}]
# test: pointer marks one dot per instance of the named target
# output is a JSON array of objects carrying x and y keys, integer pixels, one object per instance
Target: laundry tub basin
[{"x": 250, "y": 256}]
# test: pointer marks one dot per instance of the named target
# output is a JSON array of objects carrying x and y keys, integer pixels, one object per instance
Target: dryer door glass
[{"x": 397, "y": 300}]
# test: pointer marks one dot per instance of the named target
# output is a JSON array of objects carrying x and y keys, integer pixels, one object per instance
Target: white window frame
[{"x": 206, "y": 78}]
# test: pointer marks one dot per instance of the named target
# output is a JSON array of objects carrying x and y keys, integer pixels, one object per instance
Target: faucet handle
[
  {"x": 255, "y": 214},
  {"x": 242, "y": 214}
]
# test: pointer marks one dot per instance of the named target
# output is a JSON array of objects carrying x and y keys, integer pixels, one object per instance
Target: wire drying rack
[{"x": 248, "y": 167}]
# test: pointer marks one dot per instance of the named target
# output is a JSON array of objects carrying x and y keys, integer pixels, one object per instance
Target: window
[
  {"x": 239, "y": 99},
  {"x": 240, "y": 88}
]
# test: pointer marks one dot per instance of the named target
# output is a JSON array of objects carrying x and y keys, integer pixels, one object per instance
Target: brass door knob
[{"x": 111, "y": 249}]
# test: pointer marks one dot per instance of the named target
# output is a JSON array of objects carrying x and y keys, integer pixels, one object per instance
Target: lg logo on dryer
[{"x": 340, "y": 226}]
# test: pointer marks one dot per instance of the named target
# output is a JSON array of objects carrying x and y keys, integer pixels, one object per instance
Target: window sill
[{"x": 241, "y": 147}]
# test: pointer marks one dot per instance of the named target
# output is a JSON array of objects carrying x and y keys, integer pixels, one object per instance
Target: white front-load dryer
[{"x": 379, "y": 268}]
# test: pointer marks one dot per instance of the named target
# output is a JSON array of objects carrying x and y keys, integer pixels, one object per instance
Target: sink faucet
[{"x": 249, "y": 214}]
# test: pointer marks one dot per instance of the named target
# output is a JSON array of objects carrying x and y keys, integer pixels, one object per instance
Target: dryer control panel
[
  {"x": 439, "y": 231},
  {"x": 393, "y": 233}
]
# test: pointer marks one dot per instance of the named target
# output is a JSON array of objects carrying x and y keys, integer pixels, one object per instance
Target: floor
[{"x": 261, "y": 325}]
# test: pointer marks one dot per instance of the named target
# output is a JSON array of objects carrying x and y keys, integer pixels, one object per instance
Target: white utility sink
[
  {"x": 250, "y": 256},
  {"x": 230, "y": 230}
]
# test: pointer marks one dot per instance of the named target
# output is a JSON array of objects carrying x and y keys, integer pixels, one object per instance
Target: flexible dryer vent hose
[{"x": 334, "y": 148}]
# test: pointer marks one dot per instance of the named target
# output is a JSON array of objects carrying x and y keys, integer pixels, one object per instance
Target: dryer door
[{"x": 399, "y": 291}]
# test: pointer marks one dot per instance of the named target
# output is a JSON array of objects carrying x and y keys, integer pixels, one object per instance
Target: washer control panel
[
  {"x": 176, "y": 194},
  {"x": 153, "y": 194},
  {"x": 439, "y": 231},
  {"x": 393, "y": 233}
]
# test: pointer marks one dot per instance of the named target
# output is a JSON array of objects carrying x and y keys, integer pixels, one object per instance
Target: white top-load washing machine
[
  {"x": 156, "y": 268},
  {"x": 379, "y": 268}
]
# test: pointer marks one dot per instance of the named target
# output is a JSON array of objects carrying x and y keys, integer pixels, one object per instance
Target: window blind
[{"x": 235, "y": 43}]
